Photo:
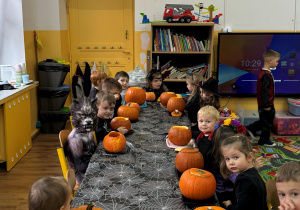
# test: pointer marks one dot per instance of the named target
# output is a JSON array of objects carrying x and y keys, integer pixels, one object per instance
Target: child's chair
[
  {"x": 272, "y": 196},
  {"x": 71, "y": 180}
]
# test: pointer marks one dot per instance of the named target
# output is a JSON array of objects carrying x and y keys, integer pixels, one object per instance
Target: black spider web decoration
[
  {"x": 118, "y": 172},
  {"x": 157, "y": 188},
  {"x": 121, "y": 191}
]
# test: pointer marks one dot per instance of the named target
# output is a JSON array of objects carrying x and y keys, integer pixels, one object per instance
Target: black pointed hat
[{"x": 210, "y": 85}]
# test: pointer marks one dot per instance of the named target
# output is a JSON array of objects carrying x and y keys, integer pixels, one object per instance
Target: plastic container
[
  {"x": 52, "y": 99},
  {"x": 52, "y": 74},
  {"x": 294, "y": 108},
  {"x": 53, "y": 121},
  {"x": 286, "y": 124}
]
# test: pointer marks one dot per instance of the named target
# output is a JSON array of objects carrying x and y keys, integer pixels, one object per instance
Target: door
[{"x": 101, "y": 31}]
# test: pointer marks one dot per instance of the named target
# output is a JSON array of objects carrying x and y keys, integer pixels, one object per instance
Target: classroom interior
[{"x": 74, "y": 30}]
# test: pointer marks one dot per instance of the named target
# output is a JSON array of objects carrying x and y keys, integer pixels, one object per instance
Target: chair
[
  {"x": 93, "y": 131},
  {"x": 272, "y": 196},
  {"x": 71, "y": 180}
]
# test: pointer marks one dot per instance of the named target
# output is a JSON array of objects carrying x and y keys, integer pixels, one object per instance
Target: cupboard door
[{"x": 102, "y": 30}]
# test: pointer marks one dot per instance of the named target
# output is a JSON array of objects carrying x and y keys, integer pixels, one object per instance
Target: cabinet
[{"x": 180, "y": 43}]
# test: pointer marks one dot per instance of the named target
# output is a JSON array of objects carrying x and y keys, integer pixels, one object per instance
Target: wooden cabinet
[{"x": 180, "y": 43}]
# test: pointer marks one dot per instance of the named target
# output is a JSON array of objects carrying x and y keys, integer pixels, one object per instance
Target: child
[
  {"x": 50, "y": 193},
  {"x": 114, "y": 87},
  {"x": 209, "y": 93},
  {"x": 123, "y": 78},
  {"x": 97, "y": 78},
  {"x": 208, "y": 116},
  {"x": 249, "y": 188},
  {"x": 106, "y": 104},
  {"x": 192, "y": 105},
  {"x": 288, "y": 186},
  {"x": 155, "y": 83},
  {"x": 265, "y": 99}
]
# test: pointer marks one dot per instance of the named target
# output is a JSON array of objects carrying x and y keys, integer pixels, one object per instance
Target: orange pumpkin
[
  {"x": 135, "y": 94},
  {"x": 134, "y": 105},
  {"x": 189, "y": 157},
  {"x": 150, "y": 96},
  {"x": 180, "y": 135},
  {"x": 165, "y": 96},
  {"x": 89, "y": 207},
  {"x": 176, "y": 113},
  {"x": 129, "y": 112},
  {"x": 209, "y": 208},
  {"x": 197, "y": 184},
  {"x": 114, "y": 142},
  {"x": 176, "y": 103},
  {"x": 118, "y": 122}
]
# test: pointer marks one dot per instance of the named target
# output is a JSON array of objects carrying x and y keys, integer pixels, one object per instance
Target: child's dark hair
[
  {"x": 96, "y": 76},
  {"x": 105, "y": 96},
  {"x": 239, "y": 142},
  {"x": 49, "y": 193},
  {"x": 290, "y": 171},
  {"x": 111, "y": 83},
  {"x": 211, "y": 101},
  {"x": 220, "y": 134},
  {"x": 121, "y": 74},
  {"x": 152, "y": 75}
]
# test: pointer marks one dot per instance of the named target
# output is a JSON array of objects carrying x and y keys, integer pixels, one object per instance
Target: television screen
[{"x": 240, "y": 60}]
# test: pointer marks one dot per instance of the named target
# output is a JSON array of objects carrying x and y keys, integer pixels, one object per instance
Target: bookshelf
[{"x": 187, "y": 46}]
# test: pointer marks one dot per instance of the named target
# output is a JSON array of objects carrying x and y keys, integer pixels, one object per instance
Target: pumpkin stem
[
  {"x": 209, "y": 208},
  {"x": 201, "y": 171},
  {"x": 190, "y": 146},
  {"x": 90, "y": 206},
  {"x": 176, "y": 111}
]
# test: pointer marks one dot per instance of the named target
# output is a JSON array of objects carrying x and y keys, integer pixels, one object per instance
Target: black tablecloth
[{"x": 142, "y": 178}]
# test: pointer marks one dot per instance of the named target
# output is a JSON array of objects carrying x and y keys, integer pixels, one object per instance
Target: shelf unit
[{"x": 200, "y": 31}]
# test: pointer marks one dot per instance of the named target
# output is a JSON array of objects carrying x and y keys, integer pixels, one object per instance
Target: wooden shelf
[
  {"x": 174, "y": 80},
  {"x": 192, "y": 52}
]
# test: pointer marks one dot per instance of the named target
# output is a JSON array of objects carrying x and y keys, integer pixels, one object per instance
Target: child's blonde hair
[
  {"x": 49, "y": 193},
  {"x": 96, "y": 76},
  {"x": 270, "y": 54},
  {"x": 105, "y": 96},
  {"x": 241, "y": 143},
  {"x": 209, "y": 110},
  {"x": 290, "y": 171},
  {"x": 194, "y": 80}
]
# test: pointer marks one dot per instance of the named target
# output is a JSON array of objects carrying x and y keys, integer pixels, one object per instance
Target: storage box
[
  {"x": 286, "y": 124},
  {"x": 52, "y": 99},
  {"x": 294, "y": 108},
  {"x": 52, "y": 74},
  {"x": 53, "y": 121}
]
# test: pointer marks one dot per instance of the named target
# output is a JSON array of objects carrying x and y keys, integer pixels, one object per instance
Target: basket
[{"x": 294, "y": 108}]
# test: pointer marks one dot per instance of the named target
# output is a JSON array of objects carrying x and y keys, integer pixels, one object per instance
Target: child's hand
[
  {"x": 259, "y": 162},
  {"x": 287, "y": 206},
  {"x": 227, "y": 203},
  {"x": 122, "y": 130},
  {"x": 267, "y": 109}
]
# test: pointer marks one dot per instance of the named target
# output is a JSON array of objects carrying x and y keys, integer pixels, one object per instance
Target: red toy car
[{"x": 180, "y": 12}]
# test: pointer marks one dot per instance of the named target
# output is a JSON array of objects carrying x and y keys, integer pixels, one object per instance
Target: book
[{"x": 170, "y": 40}]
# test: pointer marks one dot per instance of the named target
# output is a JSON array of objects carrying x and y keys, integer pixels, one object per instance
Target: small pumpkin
[
  {"x": 176, "y": 113},
  {"x": 134, "y": 105},
  {"x": 118, "y": 122},
  {"x": 165, "y": 96},
  {"x": 129, "y": 112},
  {"x": 189, "y": 157},
  {"x": 89, "y": 207},
  {"x": 209, "y": 208},
  {"x": 176, "y": 103},
  {"x": 197, "y": 184},
  {"x": 180, "y": 135},
  {"x": 114, "y": 142},
  {"x": 135, "y": 94},
  {"x": 150, "y": 96}
]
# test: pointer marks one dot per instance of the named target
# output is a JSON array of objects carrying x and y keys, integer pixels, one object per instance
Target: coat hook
[
  {"x": 120, "y": 47},
  {"x": 108, "y": 62},
  {"x": 112, "y": 47},
  {"x": 79, "y": 47},
  {"x": 103, "y": 47},
  {"x": 96, "y": 47},
  {"x": 117, "y": 62},
  {"x": 87, "y": 47}
]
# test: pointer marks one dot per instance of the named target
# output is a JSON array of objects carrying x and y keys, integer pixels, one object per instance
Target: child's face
[
  {"x": 206, "y": 123},
  {"x": 100, "y": 82},
  {"x": 190, "y": 86},
  {"x": 273, "y": 62},
  {"x": 105, "y": 111},
  {"x": 236, "y": 161},
  {"x": 289, "y": 194},
  {"x": 205, "y": 94},
  {"x": 156, "y": 82},
  {"x": 124, "y": 82}
]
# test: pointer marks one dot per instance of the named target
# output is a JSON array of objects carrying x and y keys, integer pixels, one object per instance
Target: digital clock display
[{"x": 251, "y": 63}]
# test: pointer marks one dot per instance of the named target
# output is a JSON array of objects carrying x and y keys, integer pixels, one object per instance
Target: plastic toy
[
  {"x": 180, "y": 12},
  {"x": 200, "y": 18}
]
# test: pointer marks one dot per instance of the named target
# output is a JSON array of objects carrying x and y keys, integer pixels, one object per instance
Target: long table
[{"x": 141, "y": 178}]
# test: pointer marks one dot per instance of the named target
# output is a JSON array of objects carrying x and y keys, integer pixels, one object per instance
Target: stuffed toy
[{"x": 81, "y": 145}]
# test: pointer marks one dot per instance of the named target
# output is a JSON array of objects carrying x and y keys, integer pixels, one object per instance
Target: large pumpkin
[
  {"x": 118, "y": 122},
  {"x": 89, "y": 207},
  {"x": 180, "y": 135},
  {"x": 209, "y": 208},
  {"x": 114, "y": 142},
  {"x": 134, "y": 105},
  {"x": 165, "y": 96},
  {"x": 175, "y": 103},
  {"x": 129, "y": 112},
  {"x": 135, "y": 94},
  {"x": 150, "y": 96},
  {"x": 197, "y": 184},
  {"x": 189, "y": 157}
]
